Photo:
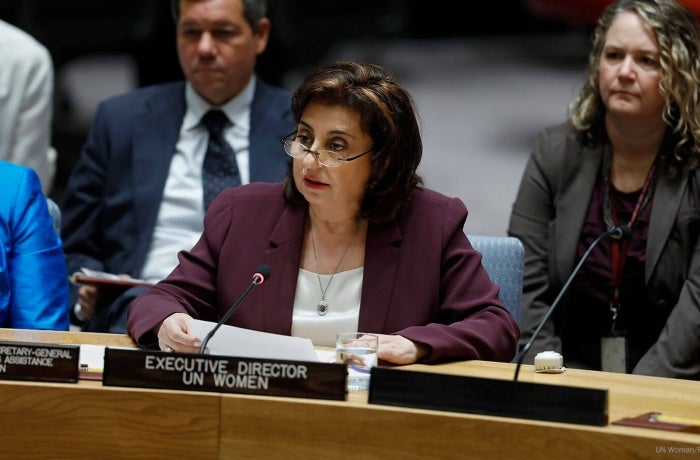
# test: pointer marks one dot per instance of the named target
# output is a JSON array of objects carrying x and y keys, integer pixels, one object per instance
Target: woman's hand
[
  {"x": 174, "y": 334},
  {"x": 397, "y": 349}
]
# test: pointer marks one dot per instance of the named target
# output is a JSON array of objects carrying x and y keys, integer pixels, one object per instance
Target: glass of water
[{"x": 358, "y": 350}]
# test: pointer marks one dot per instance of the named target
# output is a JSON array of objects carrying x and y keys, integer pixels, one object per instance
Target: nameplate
[
  {"x": 39, "y": 362},
  {"x": 505, "y": 398},
  {"x": 223, "y": 374}
]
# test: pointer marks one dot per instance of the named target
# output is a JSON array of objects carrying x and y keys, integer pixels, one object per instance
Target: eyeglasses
[{"x": 326, "y": 157}]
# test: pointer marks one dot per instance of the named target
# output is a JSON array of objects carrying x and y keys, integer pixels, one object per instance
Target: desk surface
[{"x": 51, "y": 420}]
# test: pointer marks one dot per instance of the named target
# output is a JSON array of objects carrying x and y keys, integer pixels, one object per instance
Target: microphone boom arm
[
  {"x": 258, "y": 278},
  {"x": 614, "y": 231}
]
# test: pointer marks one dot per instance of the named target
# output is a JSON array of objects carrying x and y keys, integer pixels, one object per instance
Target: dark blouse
[{"x": 587, "y": 315}]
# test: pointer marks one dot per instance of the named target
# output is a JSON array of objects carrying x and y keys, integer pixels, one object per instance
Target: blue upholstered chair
[{"x": 503, "y": 258}]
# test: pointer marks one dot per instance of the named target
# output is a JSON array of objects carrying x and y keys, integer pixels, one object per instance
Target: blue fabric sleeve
[{"x": 35, "y": 269}]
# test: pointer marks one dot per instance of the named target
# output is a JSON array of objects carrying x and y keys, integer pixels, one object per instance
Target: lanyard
[{"x": 620, "y": 246}]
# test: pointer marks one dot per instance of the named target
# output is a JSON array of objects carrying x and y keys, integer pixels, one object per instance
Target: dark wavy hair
[
  {"x": 253, "y": 11},
  {"x": 677, "y": 33},
  {"x": 387, "y": 115}
]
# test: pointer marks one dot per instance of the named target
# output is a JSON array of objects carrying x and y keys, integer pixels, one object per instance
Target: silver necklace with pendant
[{"x": 322, "y": 306}]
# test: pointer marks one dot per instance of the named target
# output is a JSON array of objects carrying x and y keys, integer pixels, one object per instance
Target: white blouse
[{"x": 343, "y": 298}]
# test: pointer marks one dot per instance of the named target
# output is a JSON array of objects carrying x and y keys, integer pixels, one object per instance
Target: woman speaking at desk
[{"x": 353, "y": 240}]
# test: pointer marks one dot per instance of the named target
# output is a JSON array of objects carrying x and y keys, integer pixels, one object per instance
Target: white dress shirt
[{"x": 180, "y": 218}]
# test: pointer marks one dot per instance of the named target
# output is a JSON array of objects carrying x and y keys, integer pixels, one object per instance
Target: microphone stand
[
  {"x": 258, "y": 278},
  {"x": 526, "y": 348}
]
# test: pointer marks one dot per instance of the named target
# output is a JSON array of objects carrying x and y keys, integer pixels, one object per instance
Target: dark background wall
[{"x": 103, "y": 47}]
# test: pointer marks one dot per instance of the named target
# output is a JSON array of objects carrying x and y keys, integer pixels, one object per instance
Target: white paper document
[
  {"x": 232, "y": 341},
  {"x": 239, "y": 342},
  {"x": 92, "y": 357}
]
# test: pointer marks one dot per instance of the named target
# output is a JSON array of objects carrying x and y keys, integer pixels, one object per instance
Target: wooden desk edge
[
  {"x": 478, "y": 368},
  {"x": 68, "y": 337}
]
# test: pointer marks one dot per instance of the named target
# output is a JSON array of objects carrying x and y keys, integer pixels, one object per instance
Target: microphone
[
  {"x": 262, "y": 273},
  {"x": 620, "y": 232},
  {"x": 616, "y": 233}
]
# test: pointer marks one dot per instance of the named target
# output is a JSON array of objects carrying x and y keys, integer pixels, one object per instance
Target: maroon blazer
[{"x": 422, "y": 278}]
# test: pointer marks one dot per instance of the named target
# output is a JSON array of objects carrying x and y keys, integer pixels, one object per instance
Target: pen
[{"x": 659, "y": 417}]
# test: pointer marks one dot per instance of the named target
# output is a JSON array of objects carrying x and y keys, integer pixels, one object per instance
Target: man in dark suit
[{"x": 136, "y": 196}]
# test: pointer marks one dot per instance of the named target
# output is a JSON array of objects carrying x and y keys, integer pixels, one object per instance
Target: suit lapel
[
  {"x": 576, "y": 189},
  {"x": 155, "y": 136},
  {"x": 382, "y": 255},
  {"x": 284, "y": 257},
  {"x": 667, "y": 199},
  {"x": 268, "y": 124}
]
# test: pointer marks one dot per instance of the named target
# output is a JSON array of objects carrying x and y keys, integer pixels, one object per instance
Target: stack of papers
[
  {"x": 227, "y": 341},
  {"x": 239, "y": 342}
]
